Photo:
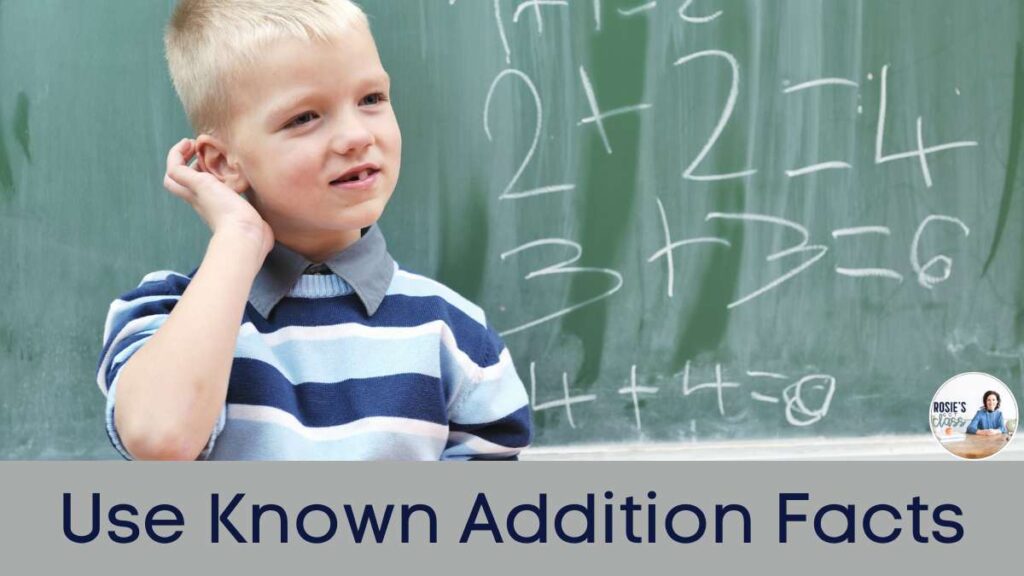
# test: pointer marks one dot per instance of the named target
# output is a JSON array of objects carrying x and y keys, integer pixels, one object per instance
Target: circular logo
[{"x": 973, "y": 415}]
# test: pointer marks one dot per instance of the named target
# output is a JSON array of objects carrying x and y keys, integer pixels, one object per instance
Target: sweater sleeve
[
  {"x": 972, "y": 428},
  {"x": 488, "y": 409},
  {"x": 131, "y": 321},
  {"x": 1000, "y": 423}
]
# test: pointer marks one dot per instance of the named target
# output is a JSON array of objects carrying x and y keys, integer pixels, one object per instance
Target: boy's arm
[
  {"x": 171, "y": 391},
  {"x": 489, "y": 412}
]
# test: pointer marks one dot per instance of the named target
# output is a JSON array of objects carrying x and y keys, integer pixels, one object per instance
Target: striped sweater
[{"x": 423, "y": 378}]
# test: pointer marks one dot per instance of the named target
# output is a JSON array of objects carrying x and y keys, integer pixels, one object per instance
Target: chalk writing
[
  {"x": 637, "y": 9},
  {"x": 730, "y": 103},
  {"x": 718, "y": 385},
  {"x": 816, "y": 250},
  {"x": 562, "y": 268},
  {"x": 758, "y": 245},
  {"x": 696, "y": 19},
  {"x": 922, "y": 151},
  {"x": 538, "y": 123},
  {"x": 597, "y": 117},
  {"x": 831, "y": 164},
  {"x": 797, "y": 411},
  {"x": 865, "y": 272},
  {"x": 634, "y": 392},
  {"x": 536, "y": 5},
  {"x": 803, "y": 401},
  {"x": 666, "y": 251},
  {"x": 945, "y": 262},
  {"x": 565, "y": 402},
  {"x": 501, "y": 32}
]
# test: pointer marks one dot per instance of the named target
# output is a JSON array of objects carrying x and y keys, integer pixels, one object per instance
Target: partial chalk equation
[
  {"x": 801, "y": 399},
  {"x": 920, "y": 154}
]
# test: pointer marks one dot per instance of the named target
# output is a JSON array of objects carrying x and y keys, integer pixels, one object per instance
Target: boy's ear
[{"x": 213, "y": 158}]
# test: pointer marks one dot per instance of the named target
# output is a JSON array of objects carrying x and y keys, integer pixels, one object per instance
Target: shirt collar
[{"x": 366, "y": 266}]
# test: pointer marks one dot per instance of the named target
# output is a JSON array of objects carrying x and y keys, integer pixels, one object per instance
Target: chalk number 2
[
  {"x": 730, "y": 104},
  {"x": 507, "y": 193}
]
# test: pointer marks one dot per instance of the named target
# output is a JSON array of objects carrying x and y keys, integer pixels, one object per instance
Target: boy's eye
[
  {"x": 375, "y": 98},
  {"x": 301, "y": 119}
]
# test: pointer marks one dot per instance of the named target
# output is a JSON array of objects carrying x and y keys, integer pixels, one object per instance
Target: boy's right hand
[{"x": 223, "y": 209}]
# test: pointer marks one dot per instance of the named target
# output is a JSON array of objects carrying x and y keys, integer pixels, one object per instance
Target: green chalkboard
[{"x": 701, "y": 220}]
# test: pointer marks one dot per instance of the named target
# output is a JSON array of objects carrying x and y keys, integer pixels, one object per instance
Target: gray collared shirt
[{"x": 366, "y": 266}]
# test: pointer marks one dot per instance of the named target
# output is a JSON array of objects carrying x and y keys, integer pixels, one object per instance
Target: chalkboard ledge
[{"x": 908, "y": 447}]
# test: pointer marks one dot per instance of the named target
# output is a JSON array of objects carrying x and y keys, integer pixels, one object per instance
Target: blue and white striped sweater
[{"x": 423, "y": 378}]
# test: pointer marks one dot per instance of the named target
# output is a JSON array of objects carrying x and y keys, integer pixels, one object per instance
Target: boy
[{"x": 298, "y": 337}]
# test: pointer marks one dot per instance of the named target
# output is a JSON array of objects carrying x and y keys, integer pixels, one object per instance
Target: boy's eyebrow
[
  {"x": 283, "y": 105},
  {"x": 374, "y": 79}
]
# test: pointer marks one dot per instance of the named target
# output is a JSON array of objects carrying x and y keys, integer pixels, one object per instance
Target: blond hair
[{"x": 210, "y": 42}]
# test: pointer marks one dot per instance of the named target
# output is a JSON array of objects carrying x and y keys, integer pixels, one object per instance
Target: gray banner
[{"x": 973, "y": 506}]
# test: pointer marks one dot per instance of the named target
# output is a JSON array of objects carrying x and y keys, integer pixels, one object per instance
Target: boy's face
[{"x": 314, "y": 136}]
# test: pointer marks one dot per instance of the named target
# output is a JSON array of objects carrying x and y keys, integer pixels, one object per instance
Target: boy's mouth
[{"x": 357, "y": 174}]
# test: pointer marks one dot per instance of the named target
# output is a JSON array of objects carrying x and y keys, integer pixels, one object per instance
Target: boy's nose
[{"x": 351, "y": 135}]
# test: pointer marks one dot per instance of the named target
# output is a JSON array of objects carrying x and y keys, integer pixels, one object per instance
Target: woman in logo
[{"x": 989, "y": 420}]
